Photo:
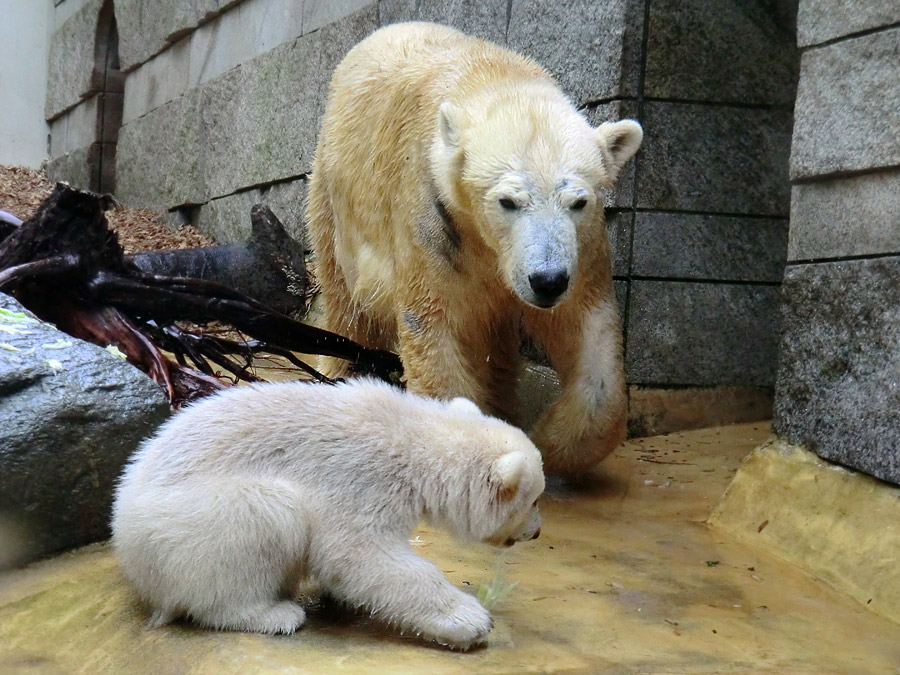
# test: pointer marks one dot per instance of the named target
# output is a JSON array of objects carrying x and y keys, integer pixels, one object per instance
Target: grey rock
[
  {"x": 822, "y": 20},
  {"x": 591, "y": 48},
  {"x": 722, "y": 50},
  {"x": 848, "y": 216},
  {"x": 692, "y": 333},
  {"x": 72, "y": 415},
  {"x": 688, "y": 246},
  {"x": 838, "y": 389},
  {"x": 848, "y": 107},
  {"x": 70, "y": 77},
  {"x": 714, "y": 159}
]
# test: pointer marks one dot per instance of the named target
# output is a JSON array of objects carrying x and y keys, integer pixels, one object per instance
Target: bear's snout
[
  {"x": 548, "y": 285},
  {"x": 536, "y": 534}
]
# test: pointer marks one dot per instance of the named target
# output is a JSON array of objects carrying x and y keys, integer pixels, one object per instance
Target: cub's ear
[
  {"x": 619, "y": 141},
  {"x": 464, "y": 405},
  {"x": 506, "y": 472},
  {"x": 448, "y": 122}
]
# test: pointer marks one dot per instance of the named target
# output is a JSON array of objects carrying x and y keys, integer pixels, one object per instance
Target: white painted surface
[{"x": 23, "y": 80}]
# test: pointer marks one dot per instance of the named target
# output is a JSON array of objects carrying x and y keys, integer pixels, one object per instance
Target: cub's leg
[
  {"x": 583, "y": 340},
  {"x": 408, "y": 592}
]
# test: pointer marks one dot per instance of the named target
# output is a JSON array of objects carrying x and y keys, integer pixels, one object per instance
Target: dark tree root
[{"x": 66, "y": 266}]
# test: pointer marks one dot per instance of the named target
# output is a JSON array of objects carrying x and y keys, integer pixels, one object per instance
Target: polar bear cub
[{"x": 237, "y": 499}]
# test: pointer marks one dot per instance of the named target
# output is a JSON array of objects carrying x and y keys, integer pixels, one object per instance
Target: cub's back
[{"x": 268, "y": 427}]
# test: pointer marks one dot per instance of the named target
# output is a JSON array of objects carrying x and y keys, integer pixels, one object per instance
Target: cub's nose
[
  {"x": 548, "y": 285},
  {"x": 537, "y": 534}
]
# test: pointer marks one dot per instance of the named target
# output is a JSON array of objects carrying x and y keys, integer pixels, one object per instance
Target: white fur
[{"x": 244, "y": 494}]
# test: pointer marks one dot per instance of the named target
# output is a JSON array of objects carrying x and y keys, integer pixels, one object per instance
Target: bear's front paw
[{"x": 466, "y": 626}]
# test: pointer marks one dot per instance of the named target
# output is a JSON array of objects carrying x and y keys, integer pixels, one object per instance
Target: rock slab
[
  {"x": 72, "y": 414},
  {"x": 838, "y": 389}
]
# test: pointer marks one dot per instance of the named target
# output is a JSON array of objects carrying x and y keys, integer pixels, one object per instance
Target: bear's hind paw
[{"x": 277, "y": 618}]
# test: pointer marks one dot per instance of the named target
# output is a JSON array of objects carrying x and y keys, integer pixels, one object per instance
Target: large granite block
[
  {"x": 591, "y": 48},
  {"x": 823, "y": 20},
  {"x": 318, "y": 13},
  {"x": 847, "y": 115},
  {"x": 838, "y": 389},
  {"x": 71, "y": 77},
  {"x": 688, "y": 246},
  {"x": 485, "y": 19},
  {"x": 159, "y": 162},
  {"x": 288, "y": 202},
  {"x": 396, "y": 11},
  {"x": 227, "y": 219},
  {"x": 160, "y": 80},
  {"x": 267, "y": 112},
  {"x": 77, "y": 128},
  {"x": 619, "y": 226},
  {"x": 147, "y": 28},
  {"x": 79, "y": 168},
  {"x": 714, "y": 159},
  {"x": 688, "y": 333},
  {"x": 722, "y": 50},
  {"x": 841, "y": 217}
]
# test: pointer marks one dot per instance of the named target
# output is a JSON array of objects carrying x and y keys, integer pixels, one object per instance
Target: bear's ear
[
  {"x": 506, "y": 472},
  {"x": 464, "y": 405},
  {"x": 619, "y": 141},
  {"x": 448, "y": 116}
]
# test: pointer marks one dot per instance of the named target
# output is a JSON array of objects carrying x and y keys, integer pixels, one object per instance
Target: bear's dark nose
[
  {"x": 548, "y": 285},
  {"x": 537, "y": 534}
]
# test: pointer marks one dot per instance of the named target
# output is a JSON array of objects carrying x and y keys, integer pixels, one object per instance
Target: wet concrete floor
[{"x": 625, "y": 578}]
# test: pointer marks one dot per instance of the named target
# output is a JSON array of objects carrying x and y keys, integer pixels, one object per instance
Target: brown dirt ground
[{"x": 22, "y": 190}]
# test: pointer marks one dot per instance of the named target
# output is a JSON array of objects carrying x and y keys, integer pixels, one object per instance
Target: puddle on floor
[{"x": 625, "y": 578}]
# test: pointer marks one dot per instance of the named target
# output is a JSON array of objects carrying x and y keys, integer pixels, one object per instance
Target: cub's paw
[{"x": 465, "y": 627}]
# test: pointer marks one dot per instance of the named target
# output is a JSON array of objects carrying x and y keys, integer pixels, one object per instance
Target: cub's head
[
  {"x": 502, "y": 485},
  {"x": 517, "y": 482},
  {"x": 528, "y": 170}
]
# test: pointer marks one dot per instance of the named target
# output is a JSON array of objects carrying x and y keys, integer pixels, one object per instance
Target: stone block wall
[
  {"x": 223, "y": 99},
  {"x": 838, "y": 386}
]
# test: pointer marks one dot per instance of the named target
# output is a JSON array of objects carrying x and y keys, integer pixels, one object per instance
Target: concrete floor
[{"x": 625, "y": 578}]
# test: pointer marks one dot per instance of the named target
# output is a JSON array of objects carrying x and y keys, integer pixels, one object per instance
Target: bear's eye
[
  {"x": 578, "y": 204},
  {"x": 508, "y": 204}
]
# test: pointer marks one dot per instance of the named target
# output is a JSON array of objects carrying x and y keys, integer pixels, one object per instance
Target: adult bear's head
[{"x": 528, "y": 171}]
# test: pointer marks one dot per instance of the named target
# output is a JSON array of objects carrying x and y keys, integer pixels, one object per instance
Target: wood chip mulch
[{"x": 22, "y": 190}]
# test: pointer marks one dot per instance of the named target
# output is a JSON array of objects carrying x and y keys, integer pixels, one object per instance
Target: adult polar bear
[{"x": 455, "y": 197}]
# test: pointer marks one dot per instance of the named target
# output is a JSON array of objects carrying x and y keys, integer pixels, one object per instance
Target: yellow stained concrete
[
  {"x": 840, "y": 525},
  {"x": 625, "y": 578}
]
